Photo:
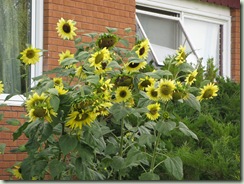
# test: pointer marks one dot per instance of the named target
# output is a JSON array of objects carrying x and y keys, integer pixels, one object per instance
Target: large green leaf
[
  {"x": 183, "y": 128},
  {"x": 135, "y": 157},
  {"x": 67, "y": 143},
  {"x": 54, "y": 101},
  {"x": 39, "y": 167},
  {"x": 117, "y": 163},
  {"x": 174, "y": 166},
  {"x": 193, "y": 102},
  {"x": 165, "y": 126},
  {"x": 13, "y": 122},
  {"x": 118, "y": 111},
  {"x": 147, "y": 139},
  {"x": 56, "y": 167},
  {"x": 20, "y": 130},
  {"x": 46, "y": 131},
  {"x": 149, "y": 176}
]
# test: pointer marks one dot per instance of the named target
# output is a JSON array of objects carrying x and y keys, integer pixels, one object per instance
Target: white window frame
[
  {"x": 199, "y": 11},
  {"x": 36, "y": 41}
]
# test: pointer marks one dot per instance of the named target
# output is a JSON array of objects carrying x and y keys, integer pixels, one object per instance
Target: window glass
[{"x": 15, "y": 31}]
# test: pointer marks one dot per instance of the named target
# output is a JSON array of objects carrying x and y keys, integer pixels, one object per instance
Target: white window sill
[{"x": 16, "y": 100}]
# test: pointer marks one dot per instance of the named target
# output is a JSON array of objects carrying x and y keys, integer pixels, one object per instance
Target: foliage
[{"x": 105, "y": 113}]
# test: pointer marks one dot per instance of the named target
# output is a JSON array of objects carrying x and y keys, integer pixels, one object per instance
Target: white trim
[{"x": 36, "y": 41}]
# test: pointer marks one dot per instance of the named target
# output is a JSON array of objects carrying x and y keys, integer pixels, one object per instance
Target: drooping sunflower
[
  {"x": 135, "y": 67},
  {"x": 17, "y": 172},
  {"x": 152, "y": 93},
  {"x": 107, "y": 40},
  {"x": 80, "y": 73},
  {"x": 153, "y": 113},
  {"x": 180, "y": 92},
  {"x": 30, "y": 55},
  {"x": 146, "y": 82},
  {"x": 38, "y": 106},
  {"x": 66, "y": 29},
  {"x": 122, "y": 94},
  {"x": 191, "y": 77},
  {"x": 142, "y": 49},
  {"x": 165, "y": 89},
  {"x": 208, "y": 91},
  {"x": 65, "y": 55},
  {"x": 181, "y": 55},
  {"x": 99, "y": 57},
  {"x": 77, "y": 119},
  {"x": 103, "y": 108},
  {"x": 1, "y": 87}
]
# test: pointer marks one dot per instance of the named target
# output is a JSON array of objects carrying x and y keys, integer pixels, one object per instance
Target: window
[
  {"x": 21, "y": 24},
  {"x": 169, "y": 24}
]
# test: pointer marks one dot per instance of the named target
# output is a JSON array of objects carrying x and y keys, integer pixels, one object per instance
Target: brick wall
[
  {"x": 235, "y": 45},
  {"x": 91, "y": 16}
]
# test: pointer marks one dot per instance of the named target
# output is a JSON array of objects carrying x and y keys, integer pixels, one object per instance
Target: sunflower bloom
[
  {"x": 30, "y": 55},
  {"x": 65, "y": 55},
  {"x": 58, "y": 81},
  {"x": 77, "y": 119},
  {"x": 146, "y": 82},
  {"x": 61, "y": 90},
  {"x": 39, "y": 107},
  {"x": 102, "y": 108},
  {"x": 135, "y": 67},
  {"x": 17, "y": 172},
  {"x": 80, "y": 73},
  {"x": 122, "y": 94},
  {"x": 153, "y": 111},
  {"x": 208, "y": 91},
  {"x": 191, "y": 77},
  {"x": 180, "y": 92},
  {"x": 1, "y": 87},
  {"x": 99, "y": 57},
  {"x": 142, "y": 49},
  {"x": 66, "y": 29},
  {"x": 152, "y": 93},
  {"x": 181, "y": 56},
  {"x": 165, "y": 89}
]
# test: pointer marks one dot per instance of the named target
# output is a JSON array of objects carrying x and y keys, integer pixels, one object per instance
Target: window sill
[{"x": 16, "y": 100}]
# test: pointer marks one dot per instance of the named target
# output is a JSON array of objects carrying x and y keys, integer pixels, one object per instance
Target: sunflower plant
[{"x": 105, "y": 112}]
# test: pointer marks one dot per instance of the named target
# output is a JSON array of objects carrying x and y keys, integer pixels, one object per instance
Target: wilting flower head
[
  {"x": 1, "y": 87},
  {"x": 179, "y": 92},
  {"x": 107, "y": 40},
  {"x": 135, "y": 67},
  {"x": 191, "y": 77},
  {"x": 30, "y": 55},
  {"x": 181, "y": 55},
  {"x": 38, "y": 106},
  {"x": 153, "y": 111},
  {"x": 208, "y": 91},
  {"x": 66, "y": 29},
  {"x": 122, "y": 94},
  {"x": 145, "y": 82},
  {"x": 142, "y": 49},
  {"x": 165, "y": 89}
]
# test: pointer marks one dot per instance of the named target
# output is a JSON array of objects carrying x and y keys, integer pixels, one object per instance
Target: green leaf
[
  {"x": 193, "y": 102},
  {"x": 127, "y": 30},
  {"x": 20, "y": 130},
  {"x": 2, "y": 148},
  {"x": 135, "y": 157},
  {"x": 68, "y": 61},
  {"x": 186, "y": 67},
  {"x": 124, "y": 42},
  {"x": 94, "y": 79},
  {"x": 1, "y": 117},
  {"x": 2, "y": 128},
  {"x": 53, "y": 91},
  {"x": 85, "y": 152},
  {"x": 21, "y": 148},
  {"x": 10, "y": 96},
  {"x": 118, "y": 111},
  {"x": 77, "y": 40},
  {"x": 56, "y": 168},
  {"x": 13, "y": 122},
  {"x": 149, "y": 176},
  {"x": 39, "y": 167},
  {"x": 46, "y": 131},
  {"x": 55, "y": 101},
  {"x": 111, "y": 30},
  {"x": 67, "y": 143},
  {"x": 183, "y": 128},
  {"x": 165, "y": 126},
  {"x": 83, "y": 55},
  {"x": 117, "y": 163},
  {"x": 174, "y": 166},
  {"x": 146, "y": 139},
  {"x": 113, "y": 64}
]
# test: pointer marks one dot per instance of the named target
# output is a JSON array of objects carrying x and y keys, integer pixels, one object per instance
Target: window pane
[{"x": 15, "y": 31}]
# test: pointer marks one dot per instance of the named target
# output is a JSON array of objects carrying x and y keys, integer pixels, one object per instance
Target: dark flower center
[
  {"x": 165, "y": 89},
  {"x": 191, "y": 78},
  {"x": 153, "y": 110},
  {"x": 154, "y": 93},
  {"x": 39, "y": 112},
  {"x": 133, "y": 65},
  {"x": 142, "y": 51},
  {"x": 30, "y": 54},
  {"x": 145, "y": 83},
  {"x": 83, "y": 117},
  {"x": 99, "y": 58},
  {"x": 122, "y": 94},
  {"x": 66, "y": 28},
  {"x": 208, "y": 93}
]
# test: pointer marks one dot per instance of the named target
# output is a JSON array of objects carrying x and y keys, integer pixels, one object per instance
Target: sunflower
[
  {"x": 135, "y": 67},
  {"x": 61, "y": 90},
  {"x": 66, "y": 29},
  {"x": 65, "y": 55},
  {"x": 17, "y": 172},
  {"x": 145, "y": 82},
  {"x": 80, "y": 73},
  {"x": 122, "y": 94},
  {"x": 39, "y": 107},
  {"x": 107, "y": 40},
  {"x": 1, "y": 87},
  {"x": 30, "y": 55},
  {"x": 153, "y": 111},
  {"x": 208, "y": 91},
  {"x": 77, "y": 119},
  {"x": 99, "y": 57},
  {"x": 142, "y": 49},
  {"x": 106, "y": 85},
  {"x": 191, "y": 77},
  {"x": 179, "y": 92},
  {"x": 165, "y": 89},
  {"x": 102, "y": 108},
  {"x": 58, "y": 82},
  {"x": 152, "y": 93},
  {"x": 181, "y": 56}
]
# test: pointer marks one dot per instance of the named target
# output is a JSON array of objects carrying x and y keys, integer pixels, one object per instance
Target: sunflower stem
[
  {"x": 155, "y": 152},
  {"x": 121, "y": 143},
  {"x": 26, "y": 80}
]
